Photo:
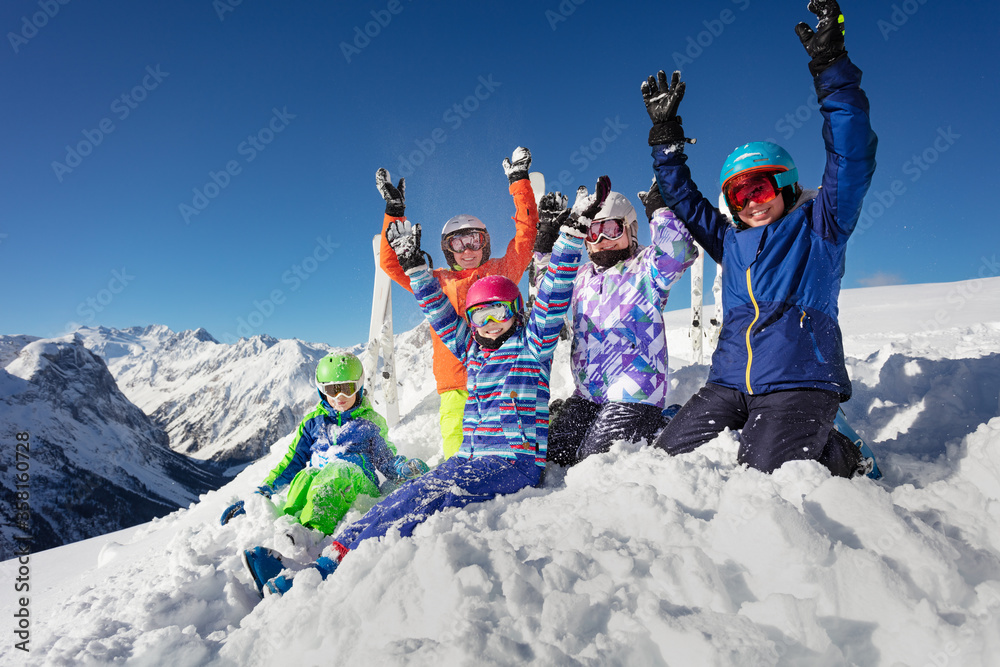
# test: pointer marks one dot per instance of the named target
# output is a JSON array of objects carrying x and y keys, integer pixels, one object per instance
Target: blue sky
[{"x": 211, "y": 164}]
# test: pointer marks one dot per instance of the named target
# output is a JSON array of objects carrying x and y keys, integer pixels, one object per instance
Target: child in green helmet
[{"x": 337, "y": 448}]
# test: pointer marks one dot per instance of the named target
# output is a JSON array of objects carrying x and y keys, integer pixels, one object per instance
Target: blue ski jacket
[{"x": 781, "y": 282}]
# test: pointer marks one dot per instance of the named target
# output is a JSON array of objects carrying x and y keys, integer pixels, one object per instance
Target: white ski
[
  {"x": 697, "y": 331},
  {"x": 538, "y": 187},
  {"x": 715, "y": 324},
  {"x": 380, "y": 343}
]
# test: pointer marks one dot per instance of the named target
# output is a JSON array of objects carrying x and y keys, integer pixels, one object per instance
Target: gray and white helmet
[{"x": 618, "y": 206}]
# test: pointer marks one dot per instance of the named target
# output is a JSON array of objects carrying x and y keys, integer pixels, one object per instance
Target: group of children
[{"x": 778, "y": 374}]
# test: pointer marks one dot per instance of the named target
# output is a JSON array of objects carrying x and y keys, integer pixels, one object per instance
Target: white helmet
[
  {"x": 462, "y": 223},
  {"x": 618, "y": 206}
]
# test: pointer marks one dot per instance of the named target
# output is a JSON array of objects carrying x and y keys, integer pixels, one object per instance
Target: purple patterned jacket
[{"x": 619, "y": 347}]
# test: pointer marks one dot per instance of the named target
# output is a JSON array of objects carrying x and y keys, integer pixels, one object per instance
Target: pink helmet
[{"x": 495, "y": 288}]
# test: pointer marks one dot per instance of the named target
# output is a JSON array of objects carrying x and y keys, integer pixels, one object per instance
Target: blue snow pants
[
  {"x": 776, "y": 427},
  {"x": 455, "y": 483}
]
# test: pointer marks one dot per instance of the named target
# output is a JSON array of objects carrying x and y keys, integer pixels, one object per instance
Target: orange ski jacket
[{"x": 449, "y": 371}]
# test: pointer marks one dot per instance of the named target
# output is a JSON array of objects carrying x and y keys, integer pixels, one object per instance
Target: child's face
[
  {"x": 758, "y": 215},
  {"x": 494, "y": 330},
  {"x": 469, "y": 259},
  {"x": 342, "y": 403},
  {"x": 619, "y": 243}
]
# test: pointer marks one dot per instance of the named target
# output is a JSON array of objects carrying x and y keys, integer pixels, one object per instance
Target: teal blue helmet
[{"x": 761, "y": 156}]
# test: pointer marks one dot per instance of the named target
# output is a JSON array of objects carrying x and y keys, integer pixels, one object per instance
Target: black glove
[
  {"x": 517, "y": 169},
  {"x": 586, "y": 207},
  {"x": 404, "y": 238},
  {"x": 826, "y": 45},
  {"x": 662, "y": 101},
  {"x": 394, "y": 195},
  {"x": 552, "y": 213},
  {"x": 652, "y": 199}
]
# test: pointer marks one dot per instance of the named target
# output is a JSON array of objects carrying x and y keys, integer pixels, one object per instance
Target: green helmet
[{"x": 340, "y": 368}]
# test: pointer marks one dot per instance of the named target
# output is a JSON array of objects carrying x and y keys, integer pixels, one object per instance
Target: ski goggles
[
  {"x": 610, "y": 228},
  {"x": 334, "y": 389},
  {"x": 757, "y": 187},
  {"x": 467, "y": 241},
  {"x": 497, "y": 311}
]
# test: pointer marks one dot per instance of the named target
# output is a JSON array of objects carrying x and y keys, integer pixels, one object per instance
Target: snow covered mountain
[
  {"x": 629, "y": 558},
  {"x": 224, "y": 403},
  {"x": 93, "y": 462}
]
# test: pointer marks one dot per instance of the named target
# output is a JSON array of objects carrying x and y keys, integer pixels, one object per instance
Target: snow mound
[{"x": 630, "y": 558}]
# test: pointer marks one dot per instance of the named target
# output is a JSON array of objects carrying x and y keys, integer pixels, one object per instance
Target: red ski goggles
[
  {"x": 609, "y": 228},
  {"x": 334, "y": 389},
  {"x": 497, "y": 311},
  {"x": 467, "y": 241},
  {"x": 759, "y": 187}
]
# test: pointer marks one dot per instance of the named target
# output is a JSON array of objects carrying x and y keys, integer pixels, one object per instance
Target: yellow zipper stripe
[{"x": 756, "y": 315}]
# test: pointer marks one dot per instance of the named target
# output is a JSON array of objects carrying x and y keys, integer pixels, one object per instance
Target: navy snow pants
[
  {"x": 455, "y": 483},
  {"x": 776, "y": 427},
  {"x": 583, "y": 428}
]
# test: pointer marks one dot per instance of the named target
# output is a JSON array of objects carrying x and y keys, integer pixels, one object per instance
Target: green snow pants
[{"x": 322, "y": 496}]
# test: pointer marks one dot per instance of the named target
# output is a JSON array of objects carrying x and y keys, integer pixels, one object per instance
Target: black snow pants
[
  {"x": 776, "y": 427},
  {"x": 582, "y": 427}
]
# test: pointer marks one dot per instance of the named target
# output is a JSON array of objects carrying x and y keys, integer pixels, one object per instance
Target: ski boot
[
  {"x": 867, "y": 455},
  {"x": 264, "y": 565}
]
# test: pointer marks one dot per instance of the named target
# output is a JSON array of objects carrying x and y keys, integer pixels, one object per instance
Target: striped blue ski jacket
[
  {"x": 781, "y": 282},
  {"x": 507, "y": 412}
]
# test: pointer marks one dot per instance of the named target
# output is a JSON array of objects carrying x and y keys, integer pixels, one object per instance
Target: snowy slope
[{"x": 630, "y": 558}]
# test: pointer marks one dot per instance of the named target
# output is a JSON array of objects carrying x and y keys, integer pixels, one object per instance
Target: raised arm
[
  {"x": 555, "y": 291},
  {"x": 703, "y": 220},
  {"x": 847, "y": 132},
  {"x": 674, "y": 249},
  {"x": 395, "y": 209},
  {"x": 515, "y": 262}
]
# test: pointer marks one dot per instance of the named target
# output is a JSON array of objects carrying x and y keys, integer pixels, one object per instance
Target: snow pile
[{"x": 630, "y": 558}]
